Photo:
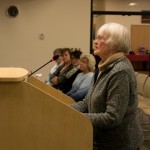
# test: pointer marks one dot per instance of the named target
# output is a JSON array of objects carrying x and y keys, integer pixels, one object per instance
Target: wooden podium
[
  {"x": 50, "y": 90},
  {"x": 32, "y": 118}
]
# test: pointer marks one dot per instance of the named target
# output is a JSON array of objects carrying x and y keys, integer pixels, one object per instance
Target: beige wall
[{"x": 64, "y": 23}]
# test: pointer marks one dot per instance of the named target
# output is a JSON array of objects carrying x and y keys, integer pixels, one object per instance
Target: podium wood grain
[
  {"x": 31, "y": 119},
  {"x": 50, "y": 90}
]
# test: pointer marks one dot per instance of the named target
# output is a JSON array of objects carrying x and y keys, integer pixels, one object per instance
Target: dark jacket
[{"x": 66, "y": 78}]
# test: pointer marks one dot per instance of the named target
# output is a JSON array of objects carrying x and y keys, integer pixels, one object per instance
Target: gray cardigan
[{"x": 111, "y": 105}]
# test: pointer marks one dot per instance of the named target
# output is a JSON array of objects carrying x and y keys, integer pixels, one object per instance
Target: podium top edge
[{"x": 12, "y": 74}]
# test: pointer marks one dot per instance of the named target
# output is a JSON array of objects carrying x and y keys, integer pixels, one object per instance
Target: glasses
[
  {"x": 99, "y": 37},
  {"x": 73, "y": 58}
]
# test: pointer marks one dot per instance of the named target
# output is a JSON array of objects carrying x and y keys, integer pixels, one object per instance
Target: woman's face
[
  {"x": 66, "y": 57},
  {"x": 102, "y": 49},
  {"x": 84, "y": 65},
  {"x": 75, "y": 61}
]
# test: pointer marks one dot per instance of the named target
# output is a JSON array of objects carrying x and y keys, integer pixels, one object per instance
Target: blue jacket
[{"x": 80, "y": 86}]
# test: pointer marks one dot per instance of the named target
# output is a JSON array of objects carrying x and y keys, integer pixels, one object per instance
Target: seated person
[
  {"x": 75, "y": 61},
  {"x": 82, "y": 82},
  {"x": 64, "y": 76},
  {"x": 59, "y": 62}
]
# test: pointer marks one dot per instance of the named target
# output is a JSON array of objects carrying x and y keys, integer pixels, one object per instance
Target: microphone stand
[{"x": 39, "y": 68}]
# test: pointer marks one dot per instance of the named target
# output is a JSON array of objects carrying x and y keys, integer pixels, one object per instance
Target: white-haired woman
[
  {"x": 111, "y": 102},
  {"x": 82, "y": 82}
]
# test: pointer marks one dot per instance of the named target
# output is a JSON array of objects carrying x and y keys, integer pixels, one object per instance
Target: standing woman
[{"x": 111, "y": 102}]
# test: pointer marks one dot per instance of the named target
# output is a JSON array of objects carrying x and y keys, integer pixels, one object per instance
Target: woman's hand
[{"x": 54, "y": 80}]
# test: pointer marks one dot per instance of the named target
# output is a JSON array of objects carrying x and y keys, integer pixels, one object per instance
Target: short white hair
[
  {"x": 117, "y": 36},
  {"x": 91, "y": 61}
]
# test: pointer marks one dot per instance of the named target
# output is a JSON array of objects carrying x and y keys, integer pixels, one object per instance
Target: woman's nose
[{"x": 95, "y": 41}]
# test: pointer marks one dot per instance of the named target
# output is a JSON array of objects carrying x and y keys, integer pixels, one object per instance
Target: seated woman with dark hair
[
  {"x": 82, "y": 82},
  {"x": 72, "y": 73},
  {"x": 64, "y": 76}
]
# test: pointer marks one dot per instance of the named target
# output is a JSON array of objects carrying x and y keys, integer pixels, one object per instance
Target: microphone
[{"x": 53, "y": 59}]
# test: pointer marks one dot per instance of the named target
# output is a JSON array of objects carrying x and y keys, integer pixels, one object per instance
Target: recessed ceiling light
[{"x": 132, "y": 4}]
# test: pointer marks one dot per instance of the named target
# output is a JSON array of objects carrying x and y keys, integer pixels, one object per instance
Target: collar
[{"x": 115, "y": 57}]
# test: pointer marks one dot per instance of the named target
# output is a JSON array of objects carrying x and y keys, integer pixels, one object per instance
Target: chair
[
  {"x": 136, "y": 73},
  {"x": 146, "y": 98},
  {"x": 145, "y": 109},
  {"x": 141, "y": 78}
]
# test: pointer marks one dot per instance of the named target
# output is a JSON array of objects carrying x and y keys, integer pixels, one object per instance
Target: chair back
[
  {"x": 147, "y": 88},
  {"x": 136, "y": 73},
  {"x": 141, "y": 78}
]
